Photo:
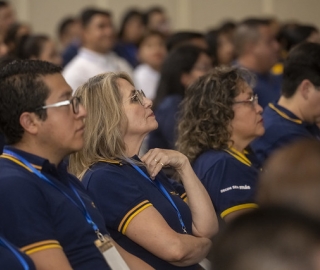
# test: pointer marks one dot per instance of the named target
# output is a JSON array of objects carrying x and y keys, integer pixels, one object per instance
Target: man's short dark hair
[
  {"x": 4, "y": 4},
  {"x": 22, "y": 90},
  {"x": 87, "y": 15},
  {"x": 271, "y": 238},
  {"x": 303, "y": 63}
]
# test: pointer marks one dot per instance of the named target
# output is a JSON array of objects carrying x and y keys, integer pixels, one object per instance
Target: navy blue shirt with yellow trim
[
  {"x": 8, "y": 259},
  {"x": 229, "y": 178},
  {"x": 121, "y": 192},
  {"x": 281, "y": 127},
  {"x": 36, "y": 216}
]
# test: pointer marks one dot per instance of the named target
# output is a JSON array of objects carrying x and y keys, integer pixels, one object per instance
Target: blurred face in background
[
  {"x": 99, "y": 35},
  {"x": 7, "y": 17},
  {"x": 266, "y": 49},
  {"x": 225, "y": 51},
  {"x": 50, "y": 53},
  {"x": 158, "y": 21},
  {"x": 152, "y": 51},
  {"x": 202, "y": 66},
  {"x": 134, "y": 30}
]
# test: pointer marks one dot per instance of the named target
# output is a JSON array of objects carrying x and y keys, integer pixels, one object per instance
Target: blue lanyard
[
  {"x": 22, "y": 261},
  {"x": 163, "y": 191},
  {"x": 83, "y": 209}
]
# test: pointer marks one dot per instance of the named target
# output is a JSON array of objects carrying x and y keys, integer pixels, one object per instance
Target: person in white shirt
[
  {"x": 151, "y": 53},
  {"x": 95, "y": 55}
]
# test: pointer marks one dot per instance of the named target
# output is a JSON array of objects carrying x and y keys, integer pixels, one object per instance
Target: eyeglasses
[
  {"x": 253, "y": 100},
  {"x": 75, "y": 102},
  {"x": 138, "y": 96}
]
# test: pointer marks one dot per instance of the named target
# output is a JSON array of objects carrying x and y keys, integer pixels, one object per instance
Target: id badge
[{"x": 111, "y": 254}]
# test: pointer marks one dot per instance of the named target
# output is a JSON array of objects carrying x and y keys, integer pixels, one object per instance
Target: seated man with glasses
[
  {"x": 45, "y": 211},
  {"x": 296, "y": 115}
]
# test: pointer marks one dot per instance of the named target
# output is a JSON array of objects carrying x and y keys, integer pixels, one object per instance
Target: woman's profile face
[
  {"x": 247, "y": 123},
  {"x": 140, "y": 117}
]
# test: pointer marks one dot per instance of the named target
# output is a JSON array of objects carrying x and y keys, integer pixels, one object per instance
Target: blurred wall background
[{"x": 44, "y": 15}]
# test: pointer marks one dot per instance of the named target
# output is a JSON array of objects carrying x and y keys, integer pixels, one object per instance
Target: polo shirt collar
[
  {"x": 283, "y": 112},
  {"x": 37, "y": 162},
  {"x": 94, "y": 56}
]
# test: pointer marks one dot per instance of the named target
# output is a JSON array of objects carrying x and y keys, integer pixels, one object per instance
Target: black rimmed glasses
[
  {"x": 75, "y": 102},
  {"x": 252, "y": 101},
  {"x": 138, "y": 96}
]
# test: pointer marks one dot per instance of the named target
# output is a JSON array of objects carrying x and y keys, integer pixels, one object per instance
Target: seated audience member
[
  {"x": 7, "y": 18},
  {"x": 179, "y": 70},
  {"x": 152, "y": 52},
  {"x": 13, "y": 36},
  {"x": 95, "y": 56},
  {"x": 69, "y": 35},
  {"x": 257, "y": 50},
  {"x": 45, "y": 211},
  {"x": 297, "y": 113},
  {"x": 144, "y": 210},
  {"x": 131, "y": 31},
  {"x": 186, "y": 38},
  {"x": 219, "y": 117},
  {"x": 291, "y": 35},
  {"x": 220, "y": 46},
  {"x": 269, "y": 238},
  {"x": 12, "y": 258},
  {"x": 292, "y": 177},
  {"x": 38, "y": 47},
  {"x": 155, "y": 19}
]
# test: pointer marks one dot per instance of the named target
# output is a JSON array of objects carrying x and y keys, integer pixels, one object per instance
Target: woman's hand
[{"x": 156, "y": 158}]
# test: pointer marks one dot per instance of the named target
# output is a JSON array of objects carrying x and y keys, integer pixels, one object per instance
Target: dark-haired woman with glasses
[
  {"x": 220, "y": 116},
  {"x": 160, "y": 221}
]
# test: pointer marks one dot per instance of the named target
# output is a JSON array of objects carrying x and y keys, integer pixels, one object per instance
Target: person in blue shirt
[
  {"x": 296, "y": 114},
  {"x": 12, "y": 258},
  {"x": 180, "y": 69},
  {"x": 45, "y": 211},
  {"x": 257, "y": 50},
  {"x": 219, "y": 117},
  {"x": 153, "y": 217}
]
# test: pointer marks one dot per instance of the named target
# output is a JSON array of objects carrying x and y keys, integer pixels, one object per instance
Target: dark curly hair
[{"x": 206, "y": 111}]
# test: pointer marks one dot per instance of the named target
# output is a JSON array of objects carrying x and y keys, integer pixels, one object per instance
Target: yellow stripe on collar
[
  {"x": 239, "y": 156},
  {"x": 284, "y": 115},
  {"x": 19, "y": 162},
  {"x": 111, "y": 161}
]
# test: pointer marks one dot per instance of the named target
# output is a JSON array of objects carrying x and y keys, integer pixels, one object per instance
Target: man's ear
[
  {"x": 30, "y": 122},
  {"x": 304, "y": 88}
]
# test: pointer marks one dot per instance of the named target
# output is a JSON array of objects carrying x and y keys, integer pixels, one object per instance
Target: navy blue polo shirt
[
  {"x": 36, "y": 216},
  {"x": 121, "y": 192},
  {"x": 166, "y": 114},
  {"x": 8, "y": 259},
  {"x": 230, "y": 179},
  {"x": 281, "y": 127}
]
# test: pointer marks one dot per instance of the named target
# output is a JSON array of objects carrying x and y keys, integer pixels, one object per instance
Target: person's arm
[
  {"x": 50, "y": 259},
  {"x": 204, "y": 219},
  {"x": 132, "y": 261},
  {"x": 152, "y": 232}
]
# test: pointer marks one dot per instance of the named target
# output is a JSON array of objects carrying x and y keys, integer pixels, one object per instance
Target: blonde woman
[
  {"x": 220, "y": 117},
  {"x": 145, "y": 212}
]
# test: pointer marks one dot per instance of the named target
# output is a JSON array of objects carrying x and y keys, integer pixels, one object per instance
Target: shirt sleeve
[
  {"x": 117, "y": 196},
  {"x": 231, "y": 186},
  {"x": 24, "y": 215}
]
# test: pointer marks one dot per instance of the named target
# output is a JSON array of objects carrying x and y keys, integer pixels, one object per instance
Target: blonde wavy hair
[
  {"x": 206, "y": 111},
  {"x": 103, "y": 136}
]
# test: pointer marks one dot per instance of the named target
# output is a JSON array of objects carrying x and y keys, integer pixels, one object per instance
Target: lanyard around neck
[
  {"x": 163, "y": 191},
  {"x": 24, "y": 163},
  {"x": 22, "y": 261}
]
